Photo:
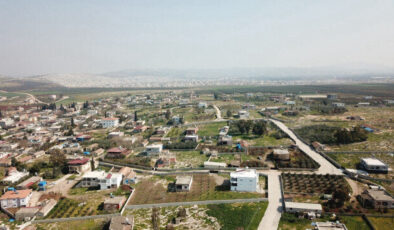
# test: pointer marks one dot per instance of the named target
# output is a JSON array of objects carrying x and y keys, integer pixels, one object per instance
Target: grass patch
[
  {"x": 382, "y": 223},
  {"x": 211, "y": 129},
  {"x": 236, "y": 216}
]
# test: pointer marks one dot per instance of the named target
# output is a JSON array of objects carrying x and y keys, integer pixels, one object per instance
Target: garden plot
[
  {"x": 313, "y": 183},
  {"x": 210, "y": 130},
  {"x": 204, "y": 187},
  {"x": 195, "y": 216},
  {"x": 189, "y": 159}
]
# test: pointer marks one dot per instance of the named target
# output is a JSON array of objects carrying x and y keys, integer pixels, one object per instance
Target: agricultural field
[
  {"x": 204, "y": 187},
  {"x": 72, "y": 208},
  {"x": 313, "y": 183},
  {"x": 211, "y": 129},
  {"x": 382, "y": 223},
  {"x": 176, "y": 132}
]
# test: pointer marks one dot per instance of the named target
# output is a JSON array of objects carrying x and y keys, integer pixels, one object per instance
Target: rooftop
[
  {"x": 297, "y": 205},
  {"x": 379, "y": 194},
  {"x": 183, "y": 179},
  {"x": 18, "y": 194},
  {"x": 243, "y": 173},
  {"x": 373, "y": 161}
]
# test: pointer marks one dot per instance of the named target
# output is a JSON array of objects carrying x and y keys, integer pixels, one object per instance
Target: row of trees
[{"x": 258, "y": 128}]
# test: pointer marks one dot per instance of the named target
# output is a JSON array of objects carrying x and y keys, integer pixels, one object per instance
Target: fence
[
  {"x": 107, "y": 216},
  {"x": 357, "y": 152},
  {"x": 204, "y": 202}
]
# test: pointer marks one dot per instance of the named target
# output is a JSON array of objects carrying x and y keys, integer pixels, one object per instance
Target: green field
[
  {"x": 382, "y": 223},
  {"x": 211, "y": 129},
  {"x": 238, "y": 216}
]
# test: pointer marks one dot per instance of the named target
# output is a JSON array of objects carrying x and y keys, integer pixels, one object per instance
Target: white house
[
  {"x": 15, "y": 198},
  {"x": 244, "y": 180},
  {"x": 293, "y": 207},
  {"x": 154, "y": 149},
  {"x": 202, "y": 104},
  {"x": 243, "y": 114},
  {"x": 338, "y": 104},
  {"x": 101, "y": 179},
  {"x": 374, "y": 165},
  {"x": 109, "y": 122}
]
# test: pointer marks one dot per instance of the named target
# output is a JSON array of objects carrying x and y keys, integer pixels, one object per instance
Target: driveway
[
  {"x": 62, "y": 185},
  {"x": 274, "y": 210}
]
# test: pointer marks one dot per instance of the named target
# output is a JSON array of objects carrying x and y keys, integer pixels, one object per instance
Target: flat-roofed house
[
  {"x": 15, "y": 198},
  {"x": 281, "y": 154},
  {"x": 374, "y": 165},
  {"x": 244, "y": 180},
  {"x": 29, "y": 182},
  {"x": 26, "y": 213},
  {"x": 155, "y": 149},
  {"x": 79, "y": 165},
  {"x": 114, "y": 203},
  {"x": 294, "y": 207},
  {"x": 183, "y": 183},
  {"x": 376, "y": 198},
  {"x": 330, "y": 226},
  {"x": 191, "y": 131},
  {"x": 109, "y": 122}
]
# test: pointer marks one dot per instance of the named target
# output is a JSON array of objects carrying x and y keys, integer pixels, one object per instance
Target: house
[
  {"x": 155, "y": 149},
  {"x": 101, "y": 179},
  {"x": 176, "y": 120},
  {"x": 29, "y": 182},
  {"x": 281, "y": 154},
  {"x": 129, "y": 176},
  {"x": 244, "y": 180},
  {"x": 376, "y": 198},
  {"x": 115, "y": 134},
  {"x": 14, "y": 177},
  {"x": 191, "y": 131},
  {"x": 202, "y": 105},
  {"x": 183, "y": 183},
  {"x": 190, "y": 138},
  {"x": 373, "y": 165},
  {"x": 363, "y": 104},
  {"x": 290, "y": 103},
  {"x": 114, "y": 203},
  {"x": 26, "y": 213},
  {"x": 165, "y": 161},
  {"x": 249, "y": 106},
  {"x": 117, "y": 152},
  {"x": 225, "y": 140},
  {"x": 79, "y": 165},
  {"x": 140, "y": 128},
  {"x": 338, "y": 104},
  {"x": 224, "y": 130},
  {"x": 15, "y": 198},
  {"x": 109, "y": 122},
  {"x": 243, "y": 114},
  {"x": 121, "y": 223},
  {"x": 295, "y": 207},
  {"x": 330, "y": 226}
]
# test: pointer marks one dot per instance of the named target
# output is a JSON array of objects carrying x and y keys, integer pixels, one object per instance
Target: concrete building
[
  {"x": 155, "y": 149},
  {"x": 293, "y": 207},
  {"x": 225, "y": 140},
  {"x": 101, "y": 179},
  {"x": 183, "y": 183},
  {"x": 109, "y": 122},
  {"x": 29, "y": 182},
  {"x": 243, "y": 114},
  {"x": 338, "y": 104},
  {"x": 374, "y": 165},
  {"x": 190, "y": 138},
  {"x": 14, "y": 177},
  {"x": 244, "y": 180},
  {"x": 375, "y": 198},
  {"x": 47, "y": 207},
  {"x": 15, "y": 198},
  {"x": 26, "y": 213},
  {"x": 214, "y": 165},
  {"x": 281, "y": 154},
  {"x": 117, "y": 152},
  {"x": 114, "y": 203}
]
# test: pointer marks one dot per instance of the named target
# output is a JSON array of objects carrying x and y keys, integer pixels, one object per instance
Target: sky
[{"x": 67, "y": 36}]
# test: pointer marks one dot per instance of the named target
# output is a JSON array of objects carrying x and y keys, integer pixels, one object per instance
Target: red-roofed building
[
  {"x": 79, "y": 165},
  {"x": 117, "y": 152}
]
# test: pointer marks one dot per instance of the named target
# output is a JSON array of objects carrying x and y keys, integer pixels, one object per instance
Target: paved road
[
  {"x": 325, "y": 165},
  {"x": 274, "y": 210}
]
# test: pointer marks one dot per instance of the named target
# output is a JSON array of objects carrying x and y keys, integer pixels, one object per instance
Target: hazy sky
[{"x": 38, "y": 37}]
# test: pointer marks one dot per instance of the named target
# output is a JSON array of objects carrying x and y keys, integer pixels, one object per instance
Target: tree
[
  {"x": 72, "y": 122},
  {"x": 58, "y": 162},
  {"x": 70, "y": 132},
  {"x": 228, "y": 113},
  {"x": 248, "y": 126},
  {"x": 135, "y": 116},
  {"x": 168, "y": 114},
  {"x": 1, "y": 114},
  {"x": 215, "y": 95},
  {"x": 259, "y": 128},
  {"x": 92, "y": 165}
]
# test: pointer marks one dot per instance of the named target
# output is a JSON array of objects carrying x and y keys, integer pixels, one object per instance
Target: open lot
[
  {"x": 191, "y": 159},
  {"x": 204, "y": 187}
]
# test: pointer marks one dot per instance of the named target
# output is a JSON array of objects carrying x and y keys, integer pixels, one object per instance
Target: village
[{"x": 312, "y": 156}]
